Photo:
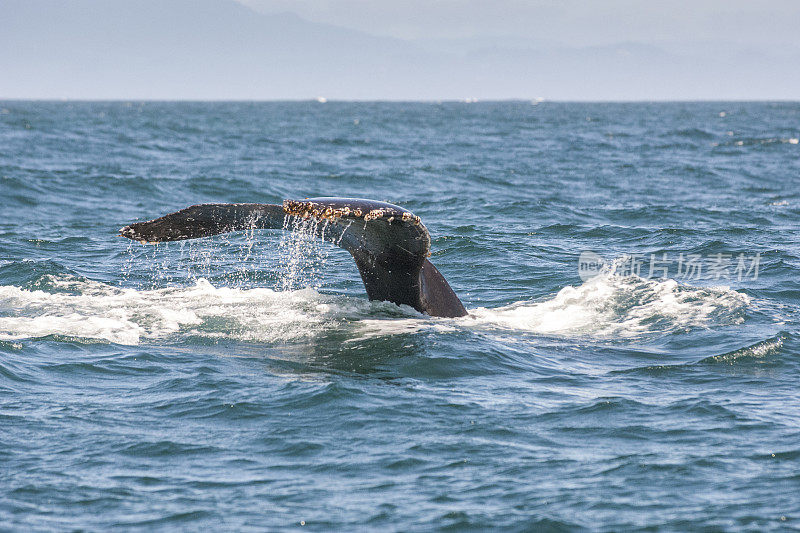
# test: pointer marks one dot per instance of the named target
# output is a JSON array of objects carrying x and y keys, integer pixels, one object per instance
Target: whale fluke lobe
[
  {"x": 389, "y": 244},
  {"x": 205, "y": 220}
]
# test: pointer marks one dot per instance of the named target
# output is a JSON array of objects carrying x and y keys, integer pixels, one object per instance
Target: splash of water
[
  {"x": 614, "y": 306},
  {"x": 238, "y": 260},
  {"x": 302, "y": 255},
  {"x": 607, "y": 306},
  {"x": 91, "y": 310}
]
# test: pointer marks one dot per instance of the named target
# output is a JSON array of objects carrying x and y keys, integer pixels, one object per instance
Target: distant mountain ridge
[{"x": 220, "y": 49}]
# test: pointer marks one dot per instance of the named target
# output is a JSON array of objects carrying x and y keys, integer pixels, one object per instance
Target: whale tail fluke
[
  {"x": 389, "y": 244},
  {"x": 205, "y": 220}
]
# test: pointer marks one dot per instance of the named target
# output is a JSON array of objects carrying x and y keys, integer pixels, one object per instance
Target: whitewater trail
[{"x": 605, "y": 306}]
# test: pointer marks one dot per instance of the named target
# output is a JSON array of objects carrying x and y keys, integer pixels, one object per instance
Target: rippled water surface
[{"x": 245, "y": 382}]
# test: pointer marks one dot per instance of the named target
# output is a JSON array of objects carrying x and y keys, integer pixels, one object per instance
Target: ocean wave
[
  {"x": 607, "y": 306},
  {"x": 92, "y": 310},
  {"x": 758, "y": 350},
  {"x": 613, "y": 306}
]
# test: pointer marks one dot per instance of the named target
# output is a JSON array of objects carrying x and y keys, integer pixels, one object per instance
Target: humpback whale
[{"x": 389, "y": 244}]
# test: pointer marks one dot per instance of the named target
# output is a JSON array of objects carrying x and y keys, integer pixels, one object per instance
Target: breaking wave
[
  {"x": 605, "y": 306},
  {"x": 609, "y": 305}
]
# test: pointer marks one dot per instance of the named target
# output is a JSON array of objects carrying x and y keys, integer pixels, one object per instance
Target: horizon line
[{"x": 532, "y": 101}]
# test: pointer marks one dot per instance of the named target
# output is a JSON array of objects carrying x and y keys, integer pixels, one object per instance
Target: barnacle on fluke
[
  {"x": 313, "y": 208},
  {"x": 390, "y": 246}
]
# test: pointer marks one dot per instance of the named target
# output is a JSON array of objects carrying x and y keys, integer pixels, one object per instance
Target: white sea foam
[
  {"x": 128, "y": 316},
  {"x": 604, "y": 306},
  {"x": 609, "y": 305}
]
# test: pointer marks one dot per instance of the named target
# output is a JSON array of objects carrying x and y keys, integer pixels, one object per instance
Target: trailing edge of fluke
[{"x": 390, "y": 244}]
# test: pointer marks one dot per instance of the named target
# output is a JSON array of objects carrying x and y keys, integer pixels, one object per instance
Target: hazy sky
[
  {"x": 571, "y": 22},
  {"x": 400, "y": 49}
]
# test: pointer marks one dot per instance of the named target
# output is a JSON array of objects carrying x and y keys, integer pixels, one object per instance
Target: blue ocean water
[{"x": 244, "y": 382}]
